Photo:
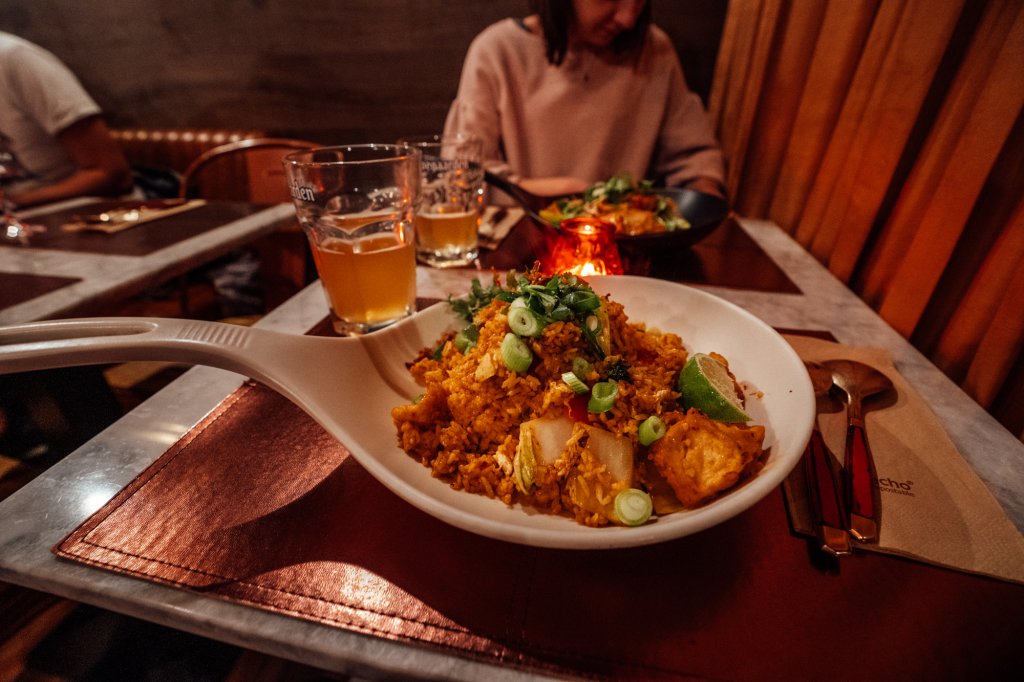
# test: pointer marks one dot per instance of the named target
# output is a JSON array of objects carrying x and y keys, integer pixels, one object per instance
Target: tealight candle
[{"x": 585, "y": 246}]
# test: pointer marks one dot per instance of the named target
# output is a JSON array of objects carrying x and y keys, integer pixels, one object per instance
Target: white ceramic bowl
[{"x": 779, "y": 396}]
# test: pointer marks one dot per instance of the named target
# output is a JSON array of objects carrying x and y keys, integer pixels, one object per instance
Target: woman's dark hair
[{"x": 556, "y": 16}]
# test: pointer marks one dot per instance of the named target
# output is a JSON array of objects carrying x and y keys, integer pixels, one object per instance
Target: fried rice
[{"x": 467, "y": 425}]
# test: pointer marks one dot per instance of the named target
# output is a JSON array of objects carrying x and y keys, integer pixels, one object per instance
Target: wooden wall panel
[{"x": 328, "y": 70}]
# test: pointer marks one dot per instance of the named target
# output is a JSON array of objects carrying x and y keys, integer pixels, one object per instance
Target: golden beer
[
  {"x": 442, "y": 231},
  {"x": 369, "y": 282}
]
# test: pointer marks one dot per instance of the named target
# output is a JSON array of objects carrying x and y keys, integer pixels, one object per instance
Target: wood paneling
[{"x": 325, "y": 70}]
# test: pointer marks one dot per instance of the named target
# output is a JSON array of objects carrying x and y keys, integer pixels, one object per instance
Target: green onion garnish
[
  {"x": 581, "y": 368},
  {"x": 651, "y": 429},
  {"x": 524, "y": 322},
  {"x": 467, "y": 338},
  {"x": 633, "y": 507},
  {"x": 574, "y": 383},
  {"x": 602, "y": 396},
  {"x": 515, "y": 354}
]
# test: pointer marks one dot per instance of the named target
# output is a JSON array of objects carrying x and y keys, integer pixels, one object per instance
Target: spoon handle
[
  {"x": 90, "y": 341},
  {"x": 860, "y": 473}
]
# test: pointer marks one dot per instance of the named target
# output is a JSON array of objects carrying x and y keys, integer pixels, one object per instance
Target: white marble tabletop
[
  {"x": 111, "y": 278},
  {"x": 46, "y": 510}
]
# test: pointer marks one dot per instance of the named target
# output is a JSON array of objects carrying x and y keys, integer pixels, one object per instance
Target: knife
[{"x": 823, "y": 475}]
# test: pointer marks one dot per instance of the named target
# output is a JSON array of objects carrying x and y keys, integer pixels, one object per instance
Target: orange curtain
[{"x": 887, "y": 137}]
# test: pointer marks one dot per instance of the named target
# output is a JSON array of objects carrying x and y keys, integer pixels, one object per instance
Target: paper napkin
[{"x": 934, "y": 507}]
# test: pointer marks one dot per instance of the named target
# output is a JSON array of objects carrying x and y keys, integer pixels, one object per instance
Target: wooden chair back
[{"x": 244, "y": 170}]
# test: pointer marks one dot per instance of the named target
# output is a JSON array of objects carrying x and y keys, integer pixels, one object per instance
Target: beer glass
[
  {"x": 451, "y": 199},
  {"x": 355, "y": 203}
]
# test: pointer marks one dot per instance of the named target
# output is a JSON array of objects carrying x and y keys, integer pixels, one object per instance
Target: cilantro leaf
[{"x": 478, "y": 298}]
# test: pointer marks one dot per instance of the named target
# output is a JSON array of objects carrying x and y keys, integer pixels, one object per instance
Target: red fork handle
[
  {"x": 861, "y": 500},
  {"x": 823, "y": 482}
]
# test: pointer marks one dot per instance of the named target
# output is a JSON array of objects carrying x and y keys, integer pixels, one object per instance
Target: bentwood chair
[{"x": 245, "y": 170}]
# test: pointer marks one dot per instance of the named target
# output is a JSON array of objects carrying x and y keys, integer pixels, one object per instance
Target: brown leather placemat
[
  {"x": 258, "y": 505},
  {"x": 727, "y": 257},
  {"x": 141, "y": 239},
  {"x": 17, "y": 287}
]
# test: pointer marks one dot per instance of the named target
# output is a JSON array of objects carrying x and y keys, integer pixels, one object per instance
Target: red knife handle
[
  {"x": 860, "y": 484},
  {"x": 826, "y": 494}
]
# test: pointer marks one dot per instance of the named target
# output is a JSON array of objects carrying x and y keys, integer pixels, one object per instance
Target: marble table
[
  {"x": 80, "y": 282},
  {"x": 41, "y": 514}
]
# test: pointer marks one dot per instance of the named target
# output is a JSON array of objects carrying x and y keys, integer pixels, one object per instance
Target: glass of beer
[
  {"x": 451, "y": 199},
  {"x": 356, "y": 204}
]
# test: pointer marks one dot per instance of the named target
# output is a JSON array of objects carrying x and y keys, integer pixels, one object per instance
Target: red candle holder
[{"x": 584, "y": 246}]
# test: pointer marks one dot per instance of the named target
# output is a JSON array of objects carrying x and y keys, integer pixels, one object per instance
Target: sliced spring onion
[
  {"x": 633, "y": 507},
  {"x": 581, "y": 368},
  {"x": 651, "y": 429},
  {"x": 466, "y": 338},
  {"x": 602, "y": 396},
  {"x": 574, "y": 383},
  {"x": 418, "y": 399},
  {"x": 524, "y": 322},
  {"x": 596, "y": 332},
  {"x": 515, "y": 354}
]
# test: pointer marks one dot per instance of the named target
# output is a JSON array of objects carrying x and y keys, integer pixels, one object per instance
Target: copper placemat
[
  {"x": 258, "y": 505},
  {"x": 17, "y": 287},
  {"x": 141, "y": 239}
]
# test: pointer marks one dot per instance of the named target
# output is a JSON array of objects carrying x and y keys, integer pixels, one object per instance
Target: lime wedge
[{"x": 705, "y": 384}]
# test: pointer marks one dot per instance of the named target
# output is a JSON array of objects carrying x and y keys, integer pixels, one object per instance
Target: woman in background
[{"x": 579, "y": 91}]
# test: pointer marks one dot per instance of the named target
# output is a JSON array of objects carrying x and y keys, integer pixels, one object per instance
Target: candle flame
[{"x": 588, "y": 268}]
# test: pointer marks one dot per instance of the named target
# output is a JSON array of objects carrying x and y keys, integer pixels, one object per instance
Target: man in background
[{"x": 54, "y": 130}]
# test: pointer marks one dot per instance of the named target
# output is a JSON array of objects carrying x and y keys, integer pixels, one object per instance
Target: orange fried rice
[{"x": 466, "y": 425}]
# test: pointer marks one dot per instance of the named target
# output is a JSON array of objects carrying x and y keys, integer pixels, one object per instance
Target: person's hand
[{"x": 554, "y": 186}]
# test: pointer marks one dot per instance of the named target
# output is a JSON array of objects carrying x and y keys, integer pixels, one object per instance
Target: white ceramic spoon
[{"x": 350, "y": 386}]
